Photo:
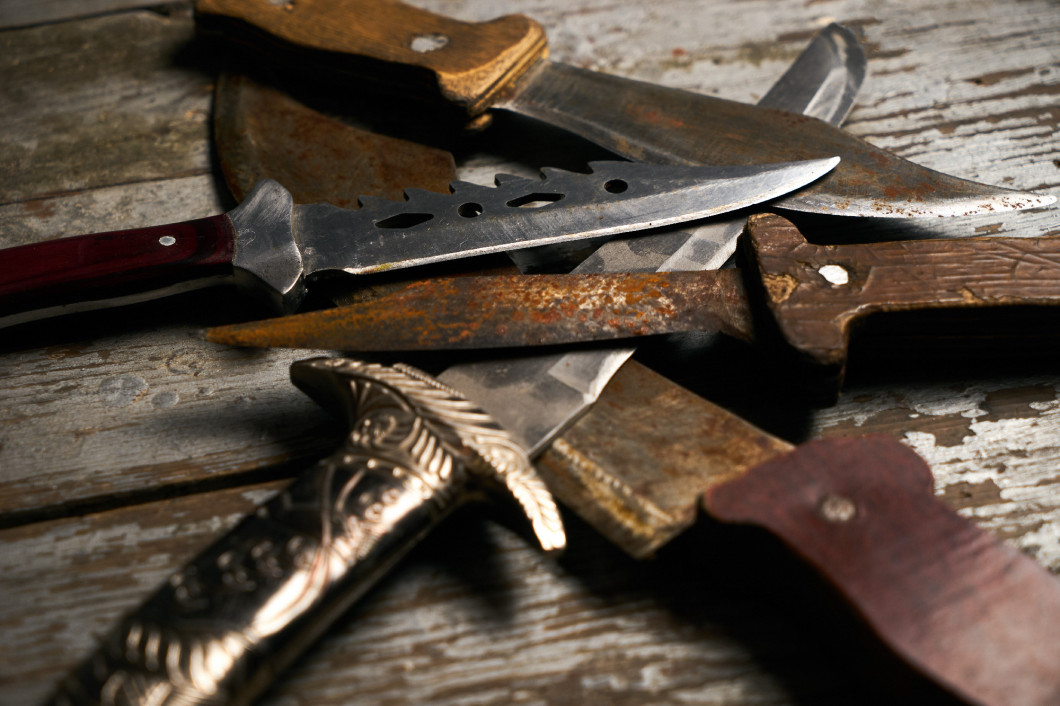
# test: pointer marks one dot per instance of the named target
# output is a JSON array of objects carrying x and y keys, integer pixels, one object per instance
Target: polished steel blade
[
  {"x": 471, "y": 313},
  {"x": 475, "y": 220},
  {"x": 652, "y": 123},
  {"x": 824, "y": 80}
]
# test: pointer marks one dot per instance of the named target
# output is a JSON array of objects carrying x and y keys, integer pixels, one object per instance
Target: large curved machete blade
[{"x": 263, "y": 133}]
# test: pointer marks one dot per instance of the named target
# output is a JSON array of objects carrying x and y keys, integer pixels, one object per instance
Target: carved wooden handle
[
  {"x": 967, "y": 610},
  {"x": 817, "y": 293},
  {"x": 90, "y": 272},
  {"x": 470, "y": 62}
]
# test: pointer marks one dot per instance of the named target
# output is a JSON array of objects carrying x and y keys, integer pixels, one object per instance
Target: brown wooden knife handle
[
  {"x": 470, "y": 62},
  {"x": 95, "y": 271},
  {"x": 966, "y": 609},
  {"x": 817, "y": 292}
]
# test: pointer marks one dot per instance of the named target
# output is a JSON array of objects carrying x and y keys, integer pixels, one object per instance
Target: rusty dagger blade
[
  {"x": 814, "y": 295},
  {"x": 468, "y": 313}
]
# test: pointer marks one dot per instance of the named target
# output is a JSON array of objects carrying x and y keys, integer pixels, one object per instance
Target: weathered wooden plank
[
  {"x": 110, "y": 100},
  {"x": 22, "y": 13},
  {"x": 132, "y": 407},
  {"x": 157, "y": 407},
  {"x": 646, "y": 49},
  {"x": 476, "y": 615}
]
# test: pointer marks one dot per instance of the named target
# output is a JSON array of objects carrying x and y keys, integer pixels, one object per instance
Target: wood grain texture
[
  {"x": 818, "y": 294},
  {"x": 111, "y": 100},
  {"x": 470, "y": 63},
  {"x": 940, "y": 591},
  {"x": 86, "y": 271},
  {"x": 104, "y": 124}
]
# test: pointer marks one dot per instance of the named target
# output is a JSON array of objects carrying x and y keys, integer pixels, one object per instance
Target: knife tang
[
  {"x": 94, "y": 271},
  {"x": 952, "y": 601},
  {"x": 818, "y": 293},
  {"x": 470, "y": 63}
]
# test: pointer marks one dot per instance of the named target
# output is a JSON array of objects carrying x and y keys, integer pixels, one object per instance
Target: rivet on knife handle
[
  {"x": 817, "y": 293},
  {"x": 951, "y": 600},
  {"x": 222, "y": 627},
  {"x": 965, "y": 609},
  {"x": 471, "y": 62},
  {"x": 271, "y": 246}
]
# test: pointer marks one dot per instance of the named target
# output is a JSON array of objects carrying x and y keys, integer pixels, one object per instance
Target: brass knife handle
[
  {"x": 221, "y": 627},
  {"x": 225, "y": 625},
  {"x": 469, "y": 62}
]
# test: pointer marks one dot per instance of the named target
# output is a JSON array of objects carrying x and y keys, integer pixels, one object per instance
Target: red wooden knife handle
[
  {"x": 964, "y": 608},
  {"x": 104, "y": 269}
]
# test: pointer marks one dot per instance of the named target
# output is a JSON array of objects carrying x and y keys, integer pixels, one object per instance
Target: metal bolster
[{"x": 267, "y": 260}]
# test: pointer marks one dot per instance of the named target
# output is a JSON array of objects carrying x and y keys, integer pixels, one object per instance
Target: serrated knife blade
[{"x": 271, "y": 246}]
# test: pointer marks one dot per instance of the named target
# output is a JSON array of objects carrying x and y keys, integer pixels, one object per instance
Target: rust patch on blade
[
  {"x": 514, "y": 310},
  {"x": 262, "y": 132},
  {"x": 637, "y": 463}
]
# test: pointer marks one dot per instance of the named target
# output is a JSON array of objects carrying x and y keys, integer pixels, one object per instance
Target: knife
[
  {"x": 71, "y": 687},
  {"x": 501, "y": 65},
  {"x": 957, "y": 604},
  {"x": 961, "y": 607},
  {"x": 822, "y": 82},
  {"x": 611, "y": 442},
  {"x": 220, "y": 629},
  {"x": 815, "y": 296},
  {"x": 272, "y": 246}
]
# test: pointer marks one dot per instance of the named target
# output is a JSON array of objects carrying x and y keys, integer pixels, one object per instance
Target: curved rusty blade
[
  {"x": 262, "y": 132},
  {"x": 515, "y": 310},
  {"x": 651, "y": 123}
]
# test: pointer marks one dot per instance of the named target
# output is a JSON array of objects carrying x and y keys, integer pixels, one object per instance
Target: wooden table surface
[{"x": 127, "y": 444}]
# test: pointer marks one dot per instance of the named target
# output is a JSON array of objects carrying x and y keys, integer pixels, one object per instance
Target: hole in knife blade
[
  {"x": 535, "y": 200},
  {"x": 404, "y": 220},
  {"x": 615, "y": 186},
  {"x": 470, "y": 209}
]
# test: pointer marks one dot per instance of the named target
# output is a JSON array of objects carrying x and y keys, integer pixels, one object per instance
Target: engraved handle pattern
[{"x": 226, "y": 624}]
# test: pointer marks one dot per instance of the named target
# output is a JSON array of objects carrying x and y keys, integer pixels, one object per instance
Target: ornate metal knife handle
[{"x": 223, "y": 627}]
